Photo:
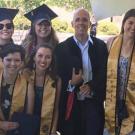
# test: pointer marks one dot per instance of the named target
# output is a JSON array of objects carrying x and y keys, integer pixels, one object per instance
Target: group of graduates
[
  {"x": 28, "y": 76},
  {"x": 62, "y": 87}
]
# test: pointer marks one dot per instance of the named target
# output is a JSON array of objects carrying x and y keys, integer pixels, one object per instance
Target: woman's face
[
  {"x": 43, "y": 58},
  {"x": 129, "y": 27},
  {"x": 42, "y": 28},
  {"x": 12, "y": 63},
  {"x": 6, "y": 29}
]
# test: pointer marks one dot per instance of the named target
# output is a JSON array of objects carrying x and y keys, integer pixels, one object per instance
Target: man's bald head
[
  {"x": 79, "y": 11},
  {"x": 81, "y": 23}
]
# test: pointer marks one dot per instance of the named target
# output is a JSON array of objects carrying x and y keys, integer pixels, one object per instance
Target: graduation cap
[
  {"x": 7, "y": 13},
  {"x": 42, "y": 12}
]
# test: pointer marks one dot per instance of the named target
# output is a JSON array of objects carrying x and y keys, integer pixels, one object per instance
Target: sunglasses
[{"x": 7, "y": 25}]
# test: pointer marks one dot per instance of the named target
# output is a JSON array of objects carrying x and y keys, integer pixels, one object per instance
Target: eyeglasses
[{"x": 7, "y": 25}]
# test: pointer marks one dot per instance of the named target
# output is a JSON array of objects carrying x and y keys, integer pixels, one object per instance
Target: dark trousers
[{"x": 87, "y": 119}]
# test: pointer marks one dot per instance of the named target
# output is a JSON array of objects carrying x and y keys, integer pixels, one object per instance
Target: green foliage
[
  {"x": 70, "y": 29},
  {"x": 60, "y": 25},
  {"x": 11, "y": 3},
  {"x": 21, "y": 23},
  {"x": 107, "y": 28},
  {"x": 26, "y": 5},
  {"x": 70, "y": 4},
  {"x": 30, "y": 4}
]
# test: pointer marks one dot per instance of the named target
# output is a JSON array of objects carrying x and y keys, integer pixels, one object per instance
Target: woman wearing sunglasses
[
  {"x": 41, "y": 29},
  {"x": 6, "y": 27}
]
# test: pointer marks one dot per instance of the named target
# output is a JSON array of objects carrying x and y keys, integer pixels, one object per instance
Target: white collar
[{"x": 89, "y": 39}]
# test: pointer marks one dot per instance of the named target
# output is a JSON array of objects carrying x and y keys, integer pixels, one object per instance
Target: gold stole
[
  {"x": 1, "y": 64},
  {"x": 48, "y": 102},
  {"x": 47, "y": 106},
  {"x": 19, "y": 95},
  {"x": 18, "y": 98},
  {"x": 127, "y": 124}
]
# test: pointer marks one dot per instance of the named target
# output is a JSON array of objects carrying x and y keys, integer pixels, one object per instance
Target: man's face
[{"x": 81, "y": 22}]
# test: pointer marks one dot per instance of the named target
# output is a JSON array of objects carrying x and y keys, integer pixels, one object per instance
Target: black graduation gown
[{"x": 68, "y": 55}]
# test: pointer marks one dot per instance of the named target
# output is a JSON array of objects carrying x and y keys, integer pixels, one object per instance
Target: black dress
[
  {"x": 38, "y": 103},
  {"x": 6, "y": 99}
]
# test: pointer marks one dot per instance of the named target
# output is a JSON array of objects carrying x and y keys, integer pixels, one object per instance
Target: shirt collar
[{"x": 89, "y": 39}]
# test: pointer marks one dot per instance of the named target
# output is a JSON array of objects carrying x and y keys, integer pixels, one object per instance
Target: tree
[
  {"x": 27, "y": 5},
  {"x": 70, "y": 4},
  {"x": 11, "y": 3}
]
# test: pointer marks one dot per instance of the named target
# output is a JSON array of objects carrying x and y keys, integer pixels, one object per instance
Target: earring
[{"x": 34, "y": 65}]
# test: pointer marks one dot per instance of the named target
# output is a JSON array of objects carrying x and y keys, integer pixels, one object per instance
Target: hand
[
  {"x": 76, "y": 78},
  {"x": 85, "y": 90},
  {"x": 5, "y": 125}
]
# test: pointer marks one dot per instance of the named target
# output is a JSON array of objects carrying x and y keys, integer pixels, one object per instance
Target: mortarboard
[
  {"x": 42, "y": 12},
  {"x": 7, "y": 13}
]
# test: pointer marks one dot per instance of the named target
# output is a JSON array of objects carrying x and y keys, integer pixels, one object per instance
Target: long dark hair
[
  {"x": 129, "y": 13},
  {"x": 51, "y": 70}
]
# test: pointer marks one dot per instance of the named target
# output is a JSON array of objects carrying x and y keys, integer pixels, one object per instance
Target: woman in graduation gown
[
  {"x": 47, "y": 86},
  {"x": 13, "y": 87},
  {"x": 41, "y": 30},
  {"x": 6, "y": 26},
  {"x": 120, "y": 96}
]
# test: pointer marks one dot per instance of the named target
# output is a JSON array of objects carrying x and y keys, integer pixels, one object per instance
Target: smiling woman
[
  {"x": 6, "y": 27},
  {"x": 41, "y": 29},
  {"x": 12, "y": 58},
  {"x": 13, "y": 88},
  {"x": 120, "y": 95},
  {"x": 47, "y": 86}
]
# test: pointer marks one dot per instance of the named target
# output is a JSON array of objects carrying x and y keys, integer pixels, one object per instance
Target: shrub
[
  {"x": 21, "y": 23},
  {"x": 70, "y": 29},
  {"x": 60, "y": 25},
  {"x": 107, "y": 28}
]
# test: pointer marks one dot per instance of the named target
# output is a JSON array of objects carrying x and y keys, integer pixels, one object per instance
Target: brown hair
[
  {"x": 31, "y": 38},
  {"x": 129, "y": 13},
  {"x": 30, "y": 41},
  {"x": 51, "y": 69}
]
